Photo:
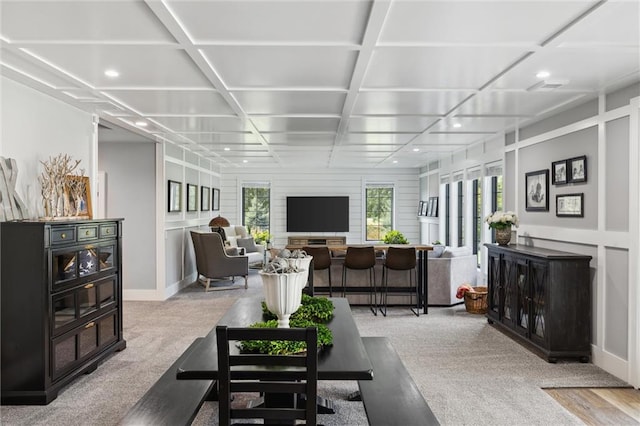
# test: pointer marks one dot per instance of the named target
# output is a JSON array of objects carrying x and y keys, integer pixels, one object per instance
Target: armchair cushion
[{"x": 248, "y": 243}]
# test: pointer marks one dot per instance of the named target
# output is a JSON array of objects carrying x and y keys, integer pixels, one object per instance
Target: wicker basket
[{"x": 476, "y": 301}]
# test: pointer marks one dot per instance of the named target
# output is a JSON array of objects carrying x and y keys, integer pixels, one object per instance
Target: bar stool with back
[
  {"x": 400, "y": 259},
  {"x": 362, "y": 258},
  {"x": 321, "y": 260}
]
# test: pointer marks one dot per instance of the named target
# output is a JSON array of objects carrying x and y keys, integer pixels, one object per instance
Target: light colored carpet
[{"x": 469, "y": 373}]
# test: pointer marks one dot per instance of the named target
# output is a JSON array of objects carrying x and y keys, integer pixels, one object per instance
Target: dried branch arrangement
[{"x": 62, "y": 188}]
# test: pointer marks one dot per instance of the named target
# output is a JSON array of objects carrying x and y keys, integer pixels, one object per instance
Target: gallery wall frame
[
  {"x": 577, "y": 169},
  {"x": 192, "y": 197},
  {"x": 570, "y": 205},
  {"x": 215, "y": 200},
  {"x": 559, "y": 172},
  {"x": 433, "y": 206},
  {"x": 536, "y": 186},
  {"x": 174, "y": 196},
  {"x": 205, "y": 201}
]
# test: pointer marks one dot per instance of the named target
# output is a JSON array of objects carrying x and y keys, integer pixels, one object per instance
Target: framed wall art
[
  {"x": 205, "y": 201},
  {"x": 577, "y": 169},
  {"x": 434, "y": 206},
  {"x": 215, "y": 202},
  {"x": 559, "y": 172},
  {"x": 174, "y": 196},
  {"x": 570, "y": 205},
  {"x": 192, "y": 197},
  {"x": 420, "y": 207},
  {"x": 536, "y": 185}
]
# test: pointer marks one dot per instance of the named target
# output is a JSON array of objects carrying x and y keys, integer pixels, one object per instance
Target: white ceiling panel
[
  {"x": 27, "y": 65},
  {"x": 408, "y": 103},
  {"x": 291, "y": 66},
  {"x": 438, "y": 67},
  {"x": 300, "y": 138},
  {"x": 478, "y": 22},
  {"x": 377, "y": 138},
  {"x": 273, "y": 21},
  {"x": 390, "y": 124},
  {"x": 515, "y": 103},
  {"x": 290, "y": 102},
  {"x": 163, "y": 102},
  {"x": 222, "y": 138},
  {"x": 81, "y": 21},
  {"x": 296, "y": 124},
  {"x": 446, "y": 139},
  {"x": 368, "y": 148},
  {"x": 203, "y": 124},
  {"x": 145, "y": 66},
  {"x": 474, "y": 124}
]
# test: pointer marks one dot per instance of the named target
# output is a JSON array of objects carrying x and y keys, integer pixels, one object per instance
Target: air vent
[{"x": 547, "y": 85}]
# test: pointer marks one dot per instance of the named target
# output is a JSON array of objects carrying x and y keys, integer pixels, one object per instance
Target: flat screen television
[{"x": 318, "y": 214}]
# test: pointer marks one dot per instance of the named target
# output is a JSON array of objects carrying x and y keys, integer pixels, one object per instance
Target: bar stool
[
  {"x": 362, "y": 258},
  {"x": 400, "y": 259},
  {"x": 321, "y": 260}
]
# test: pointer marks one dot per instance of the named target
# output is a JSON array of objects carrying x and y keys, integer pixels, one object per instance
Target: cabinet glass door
[
  {"x": 88, "y": 261},
  {"x": 495, "y": 284},
  {"x": 107, "y": 257},
  {"x": 522, "y": 300},
  {"x": 538, "y": 273},
  {"x": 64, "y": 266},
  {"x": 510, "y": 289}
]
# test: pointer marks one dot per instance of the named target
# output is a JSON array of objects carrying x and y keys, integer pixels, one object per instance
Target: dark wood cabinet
[
  {"x": 543, "y": 297},
  {"x": 61, "y": 307}
]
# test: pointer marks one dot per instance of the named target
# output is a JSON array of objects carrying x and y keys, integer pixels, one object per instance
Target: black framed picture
[
  {"x": 205, "y": 202},
  {"x": 215, "y": 202},
  {"x": 577, "y": 169},
  {"x": 429, "y": 207},
  {"x": 192, "y": 197},
  {"x": 174, "y": 196},
  {"x": 420, "y": 204},
  {"x": 434, "y": 207},
  {"x": 570, "y": 205},
  {"x": 536, "y": 186},
  {"x": 559, "y": 172},
  {"x": 425, "y": 208}
]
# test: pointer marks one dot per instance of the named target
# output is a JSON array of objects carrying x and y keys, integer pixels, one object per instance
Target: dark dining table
[{"x": 346, "y": 359}]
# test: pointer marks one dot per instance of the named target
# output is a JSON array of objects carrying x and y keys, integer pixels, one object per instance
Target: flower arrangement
[
  {"x": 502, "y": 220},
  {"x": 261, "y": 237}
]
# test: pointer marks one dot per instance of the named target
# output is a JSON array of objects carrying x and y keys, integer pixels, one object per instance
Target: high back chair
[
  {"x": 278, "y": 376},
  {"x": 213, "y": 262},
  {"x": 362, "y": 258},
  {"x": 400, "y": 259},
  {"x": 321, "y": 260}
]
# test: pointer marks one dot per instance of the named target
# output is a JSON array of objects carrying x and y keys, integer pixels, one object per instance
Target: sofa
[
  {"x": 237, "y": 236},
  {"x": 455, "y": 266}
]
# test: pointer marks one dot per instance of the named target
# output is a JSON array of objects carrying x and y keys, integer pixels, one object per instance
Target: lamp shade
[{"x": 219, "y": 221}]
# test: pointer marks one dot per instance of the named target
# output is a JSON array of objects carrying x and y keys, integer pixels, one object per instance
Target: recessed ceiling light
[
  {"x": 141, "y": 123},
  {"x": 543, "y": 74},
  {"x": 245, "y": 161},
  {"x": 111, "y": 73},
  {"x": 226, "y": 148},
  {"x": 395, "y": 161},
  {"x": 416, "y": 149},
  {"x": 457, "y": 125}
]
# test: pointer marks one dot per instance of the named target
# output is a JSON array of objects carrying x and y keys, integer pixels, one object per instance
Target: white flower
[{"x": 500, "y": 219}]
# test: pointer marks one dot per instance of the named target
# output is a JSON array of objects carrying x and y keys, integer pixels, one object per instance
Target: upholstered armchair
[{"x": 214, "y": 263}]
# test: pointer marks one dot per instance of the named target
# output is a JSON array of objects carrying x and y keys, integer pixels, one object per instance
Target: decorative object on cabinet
[
  {"x": 65, "y": 193},
  {"x": 61, "y": 312},
  {"x": 421, "y": 208},
  {"x": 570, "y": 205},
  {"x": 537, "y": 191},
  {"x": 433, "y": 206},
  {"x": 577, "y": 169},
  {"x": 559, "y": 172},
  {"x": 192, "y": 197},
  {"x": 502, "y": 223},
  {"x": 542, "y": 297},
  {"x": 11, "y": 205},
  {"x": 174, "y": 196},
  {"x": 429, "y": 207},
  {"x": 205, "y": 204},
  {"x": 79, "y": 195},
  {"x": 215, "y": 206}
]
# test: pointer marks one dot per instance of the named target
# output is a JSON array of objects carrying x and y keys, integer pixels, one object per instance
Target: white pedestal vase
[
  {"x": 302, "y": 263},
  {"x": 283, "y": 293}
]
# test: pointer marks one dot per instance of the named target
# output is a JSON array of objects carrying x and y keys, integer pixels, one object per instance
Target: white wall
[
  {"x": 35, "y": 127},
  {"x": 349, "y": 183}
]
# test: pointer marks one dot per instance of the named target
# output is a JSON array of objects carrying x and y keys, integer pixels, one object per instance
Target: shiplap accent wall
[{"x": 330, "y": 182}]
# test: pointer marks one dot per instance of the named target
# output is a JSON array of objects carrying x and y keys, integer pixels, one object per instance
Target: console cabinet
[
  {"x": 541, "y": 297},
  {"x": 61, "y": 304},
  {"x": 316, "y": 240}
]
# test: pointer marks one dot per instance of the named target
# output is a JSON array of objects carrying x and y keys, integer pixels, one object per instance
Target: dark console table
[{"x": 541, "y": 297}]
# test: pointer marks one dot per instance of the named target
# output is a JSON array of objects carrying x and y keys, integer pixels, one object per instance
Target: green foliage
[
  {"x": 285, "y": 347},
  {"x": 314, "y": 309},
  {"x": 394, "y": 237},
  {"x": 261, "y": 237}
]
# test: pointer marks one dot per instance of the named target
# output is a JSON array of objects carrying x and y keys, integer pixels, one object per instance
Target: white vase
[
  {"x": 302, "y": 263},
  {"x": 283, "y": 293}
]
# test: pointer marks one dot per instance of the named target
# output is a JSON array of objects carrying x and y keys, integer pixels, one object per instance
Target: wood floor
[{"x": 600, "y": 406}]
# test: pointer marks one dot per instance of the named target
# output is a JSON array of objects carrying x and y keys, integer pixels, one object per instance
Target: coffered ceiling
[{"x": 321, "y": 84}]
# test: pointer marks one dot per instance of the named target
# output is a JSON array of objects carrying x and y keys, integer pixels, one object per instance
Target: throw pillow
[{"x": 248, "y": 244}]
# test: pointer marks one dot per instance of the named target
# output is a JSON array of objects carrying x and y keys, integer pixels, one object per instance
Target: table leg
[{"x": 423, "y": 274}]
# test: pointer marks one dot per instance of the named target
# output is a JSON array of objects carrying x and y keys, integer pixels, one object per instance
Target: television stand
[{"x": 311, "y": 240}]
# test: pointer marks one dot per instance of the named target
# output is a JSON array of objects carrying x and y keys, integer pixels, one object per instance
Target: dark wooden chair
[
  {"x": 280, "y": 377},
  {"x": 362, "y": 258},
  {"x": 321, "y": 261},
  {"x": 400, "y": 259}
]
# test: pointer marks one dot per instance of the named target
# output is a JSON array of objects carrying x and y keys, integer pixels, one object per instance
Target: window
[
  {"x": 379, "y": 211},
  {"x": 256, "y": 204},
  {"x": 477, "y": 217},
  {"x": 447, "y": 205},
  {"x": 496, "y": 200},
  {"x": 460, "y": 214}
]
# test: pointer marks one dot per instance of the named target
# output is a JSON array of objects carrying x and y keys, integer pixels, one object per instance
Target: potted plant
[
  {"x": 502, "y": 223},
  {"x": 394, "y": 237},
  {"x": 438, "y": 248},
  {"x": 283, "y": 282}
]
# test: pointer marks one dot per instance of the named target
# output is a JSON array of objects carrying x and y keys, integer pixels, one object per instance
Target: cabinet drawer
[
  {"x": 108, "y": 230},
  {"x": 68, "y": 265},
  {"x": 75, "y": 347},
  {"x": 63, "y": 235},
  {"x": 87, "y": 233}
]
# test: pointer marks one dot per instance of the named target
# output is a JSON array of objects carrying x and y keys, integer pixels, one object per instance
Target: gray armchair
[{"x": 214, "y": 263}]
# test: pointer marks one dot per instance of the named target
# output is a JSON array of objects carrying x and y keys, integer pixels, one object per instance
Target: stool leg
[
  {"x": 330, "y": 285},
  {"x": 344, "y": 280},
  {"x": 372, "y": 286},
  {"x": 415, "y": 310},
  {"x": 384, "y": 290}
]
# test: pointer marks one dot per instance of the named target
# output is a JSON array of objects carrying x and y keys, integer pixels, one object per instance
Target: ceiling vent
[{"x": 547, "y": 85}]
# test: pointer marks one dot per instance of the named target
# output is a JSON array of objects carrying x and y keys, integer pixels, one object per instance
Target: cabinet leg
[
  {"x": 584, "y": 359},
  {"x": 489, "y": 320}
]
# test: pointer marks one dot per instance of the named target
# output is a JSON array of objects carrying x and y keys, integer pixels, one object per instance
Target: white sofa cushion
[{"x": 456, "y": 252}]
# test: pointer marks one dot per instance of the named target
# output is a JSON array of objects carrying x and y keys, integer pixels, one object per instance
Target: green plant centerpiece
[
  {"x": 394, "y": 237},
  {"x": 313, "y": 312}
]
